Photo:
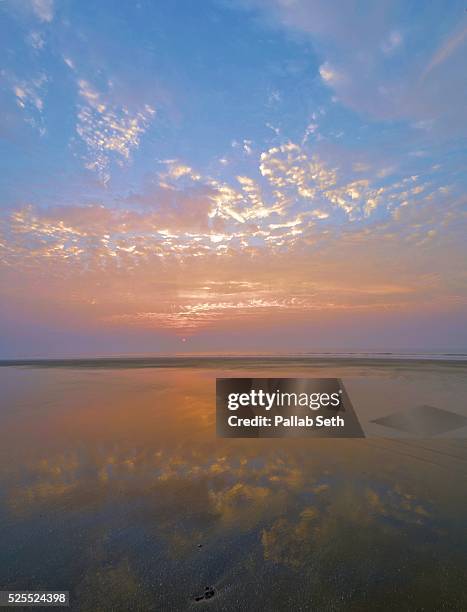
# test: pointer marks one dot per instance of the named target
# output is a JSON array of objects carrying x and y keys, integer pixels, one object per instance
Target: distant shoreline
[{"x": 167, "y": 361}]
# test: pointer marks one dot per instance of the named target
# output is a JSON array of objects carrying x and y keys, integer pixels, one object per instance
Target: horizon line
[{"x": 410, "y": 355}]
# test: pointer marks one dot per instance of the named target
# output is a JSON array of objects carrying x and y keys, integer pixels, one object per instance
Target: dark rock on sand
[{"x": 209, "y": 592}]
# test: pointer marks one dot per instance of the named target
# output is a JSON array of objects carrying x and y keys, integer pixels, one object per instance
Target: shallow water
[{"x": 113, "y": 486}]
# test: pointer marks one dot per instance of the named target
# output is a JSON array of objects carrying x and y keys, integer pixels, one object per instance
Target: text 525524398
[{"x": 34, "y": 598}]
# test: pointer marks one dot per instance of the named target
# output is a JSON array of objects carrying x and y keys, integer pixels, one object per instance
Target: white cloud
[
  {"x": 356, "y": 42},
  {"x": 329, "y": 74},
  {"x": 69, "y": 62},
  {"x": 36, "y": 40},
  {"x": 29, "y": 95},
  {"x": 109, "y": 131},
  {"x": 44, "y": 9},
  {"x": 311, "y": 128}
]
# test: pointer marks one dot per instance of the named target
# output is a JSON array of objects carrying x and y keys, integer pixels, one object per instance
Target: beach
[{"x": 113, "y": 486}]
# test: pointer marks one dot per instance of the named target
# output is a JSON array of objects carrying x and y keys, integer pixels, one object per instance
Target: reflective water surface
[{"x": 114, "y": 487}]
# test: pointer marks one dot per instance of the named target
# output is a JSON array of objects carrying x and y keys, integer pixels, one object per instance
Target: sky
[{"x": 232, "y": 176}]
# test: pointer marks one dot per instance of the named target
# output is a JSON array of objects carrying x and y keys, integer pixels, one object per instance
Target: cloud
[
  {"x": 392, "y": 42},
  {"x": 177, "y": 170},
  {"x": 446, "y": 49},
  {"x": 27, "y": 93},
  {"x": 29, "y": 98},
  {"x": 109, "y": 131},
  {"x": 295, "y": 239},
  {"x": 329, "y": 74},
  {"x": 372, "y": 55},
  {"x": 36, "y": 40},
  {"x": 245, "y": 145},
  {"x": 293, "y": 194},
  {"x": 44, "y": 9}
]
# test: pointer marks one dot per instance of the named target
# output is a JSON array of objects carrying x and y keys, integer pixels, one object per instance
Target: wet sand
[{"x": 113, "y": 486}]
